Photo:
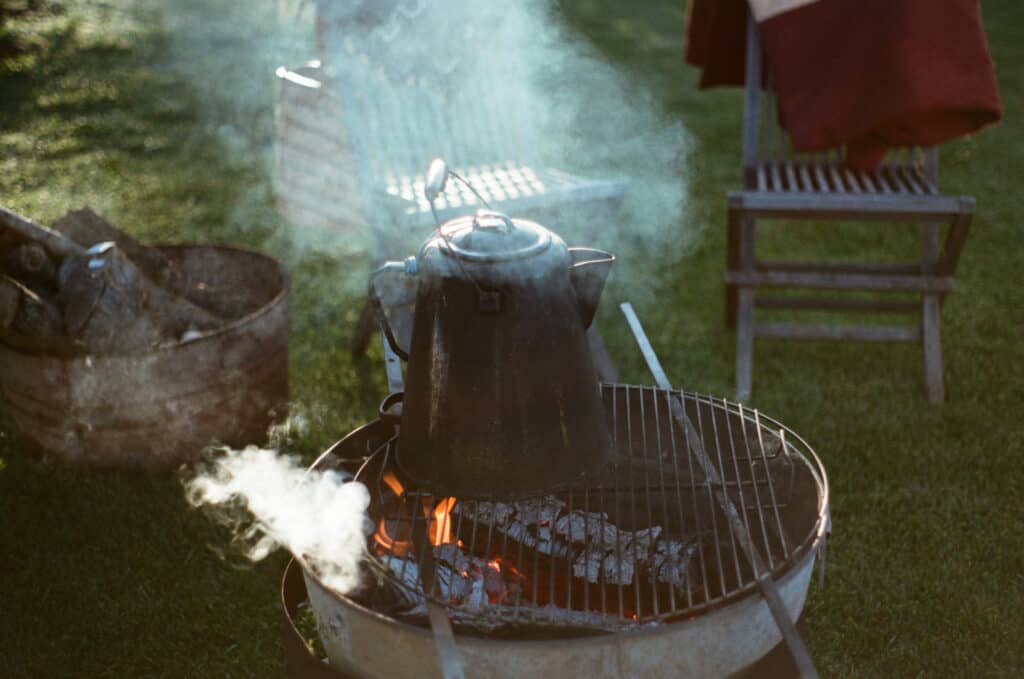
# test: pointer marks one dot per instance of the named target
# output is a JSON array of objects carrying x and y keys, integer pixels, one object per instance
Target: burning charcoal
[
  {"x": 452, "y": 555},
  {"x": 615, "y": 567},
  {"x": 494, "y": 581},
  {"x": 477, "y": 596},
  {"x": 671, "y": 560},
  {"x": 526, "y": 536},
  {"x": 452, "y": 586},
  {"x": 520, "y": 532},
  {"x": 490, "y": 513},
  {"x": 580, "y": 527},
  {"x": 618, "y": 568},
  {"x": 406, "y": 569},
  {"x": 641, "y": 542},
  {"x": 587, "y": 564},
  {"x": 548, "y": 544},
  {"x": 540, "y": 511}
]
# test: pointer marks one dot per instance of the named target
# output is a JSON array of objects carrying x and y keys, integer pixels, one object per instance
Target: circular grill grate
[{"x": 644, "y": 542}]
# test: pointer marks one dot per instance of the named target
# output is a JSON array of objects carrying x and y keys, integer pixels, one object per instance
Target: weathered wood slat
[
  {"x": 893, "y": 175},
  {"x": 776, "y": 176},
  {"x": 821, "y": 331},
  {"x": 851, "y": 180},
  {"x": 791, "y": 177},
  {"x": 819, "y": 174},
  {"x": 936, "y": 208},
  {"x": 955, "y": 239},
  {"x": 907, "y": 175},
  {"x": 839, "y": 267},
  {"x": 867, "y": 181},
  {"x": 839, "y": 281},
  {"x": 836, "y": 304},
  {"x": 881, "y": 181},
  {"x": 805, "y": 178},
  {"x": 837, "y": 179},
  {"x": 929, "y": 186}
]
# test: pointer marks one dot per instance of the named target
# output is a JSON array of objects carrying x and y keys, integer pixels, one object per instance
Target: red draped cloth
[{"x": 864, "y": 74}]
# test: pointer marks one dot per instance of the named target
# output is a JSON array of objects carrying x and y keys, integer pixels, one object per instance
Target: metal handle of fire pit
[
  {"x": 440, "y": 625},
  {"x": 767, "y": 586}
]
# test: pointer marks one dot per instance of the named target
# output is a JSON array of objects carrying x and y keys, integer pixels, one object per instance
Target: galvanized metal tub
[
  {"x": 716, "y": 641},
  {"x": 364, "y": 643},
  {"x": 155, "y": 410}
]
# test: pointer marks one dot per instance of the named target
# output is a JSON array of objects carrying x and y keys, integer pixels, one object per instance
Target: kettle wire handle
[{"x": 407, "y": 266}]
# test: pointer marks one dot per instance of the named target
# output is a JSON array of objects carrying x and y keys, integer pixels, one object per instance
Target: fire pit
[
  {"x": 636, "y": 572},
  {"x": 539, "y": 523}
]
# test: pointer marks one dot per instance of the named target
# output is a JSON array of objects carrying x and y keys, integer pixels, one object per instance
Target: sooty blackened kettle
[{"x": 501, "y": 396}]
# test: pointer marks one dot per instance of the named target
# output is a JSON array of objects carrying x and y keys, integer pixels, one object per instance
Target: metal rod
[
  {"x": 440, "y": 625},
  {"x": 767, "y": 586}
]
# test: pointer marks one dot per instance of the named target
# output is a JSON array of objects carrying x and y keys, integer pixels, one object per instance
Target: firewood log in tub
[
  {"x": 115, "y": 295},
  {"x": 30, "y": 322}
]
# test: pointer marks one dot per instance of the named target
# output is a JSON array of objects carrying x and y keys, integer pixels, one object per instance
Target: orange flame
[
  {"x": 441, "y": 529},
  {"x": 393, "y": 483},
  {"x": 440, "y": 532}
]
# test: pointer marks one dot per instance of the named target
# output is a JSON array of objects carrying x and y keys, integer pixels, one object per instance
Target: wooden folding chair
[{"x": 778, "y": 184}]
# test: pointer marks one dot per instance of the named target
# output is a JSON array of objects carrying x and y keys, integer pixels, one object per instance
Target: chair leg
[
  {"x": 366, "y": 326},
  {"x": 732, "y": 236},
  {"x": 932, "y": 348},
  {"x": 744, "y": 344}
]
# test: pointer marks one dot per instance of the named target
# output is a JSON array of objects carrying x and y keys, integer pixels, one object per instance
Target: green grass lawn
[{"x": 122, "y": 105}]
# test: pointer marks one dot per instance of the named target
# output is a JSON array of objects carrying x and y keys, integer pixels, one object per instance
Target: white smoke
[{"x": 318, "y": 516}]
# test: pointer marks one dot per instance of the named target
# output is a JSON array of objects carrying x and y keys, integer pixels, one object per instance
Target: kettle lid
[{"x": 490, "y": 236}]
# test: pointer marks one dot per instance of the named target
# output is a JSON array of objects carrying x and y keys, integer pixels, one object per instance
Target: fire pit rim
[
  {"x": 781, "y": 573},
  {"x": 647, "y": 630}
]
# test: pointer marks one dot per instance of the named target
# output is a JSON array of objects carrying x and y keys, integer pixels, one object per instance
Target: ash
[{"x": 599, "y": 553}]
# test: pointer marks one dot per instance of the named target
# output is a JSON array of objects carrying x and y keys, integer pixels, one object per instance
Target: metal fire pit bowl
[
  {"x": 716, "y": 625},
  {"x": 154, "y": 410}
]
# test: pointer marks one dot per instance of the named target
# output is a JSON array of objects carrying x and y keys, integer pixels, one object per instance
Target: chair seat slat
[
  {"x": 837, "y": 179},
  {"x": 805, "y": 177},
  {"x": 893, "y": 176},
  {"x": 882, "y": 181},
  {"x": 791, "y": 176},
  {"x": 908, "y": 176},
  {"x": 776, "y": 177},
  {"x": 867, "y": 181},
  {"x": 851, "y": 180},
  {"x": 929, "y": 186},
  {"x": 819, "y": 174}
]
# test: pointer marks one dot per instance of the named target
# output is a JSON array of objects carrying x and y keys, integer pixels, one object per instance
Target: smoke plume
[{"x": 272, "y": 502}]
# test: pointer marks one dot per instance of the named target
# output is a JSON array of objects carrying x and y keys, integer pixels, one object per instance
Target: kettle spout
[{"x": 590, "y": 269}]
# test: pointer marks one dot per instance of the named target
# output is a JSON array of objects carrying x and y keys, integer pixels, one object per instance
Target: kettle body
[{"x": 502, "y": 398}]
